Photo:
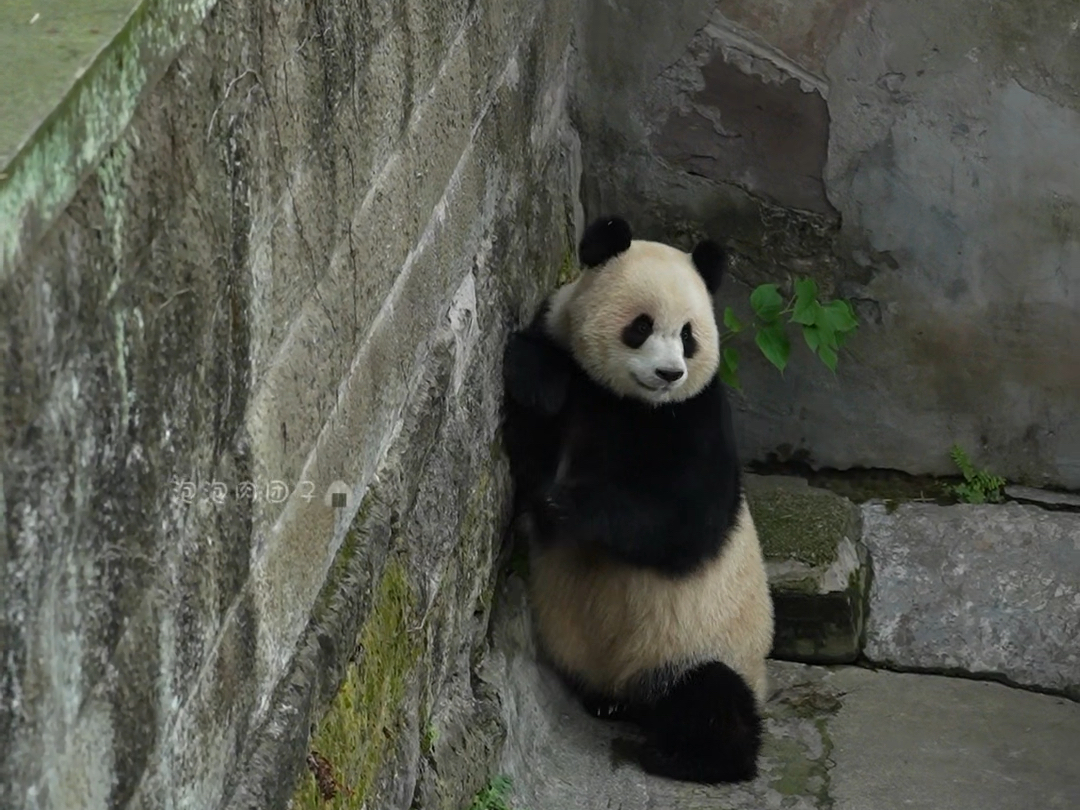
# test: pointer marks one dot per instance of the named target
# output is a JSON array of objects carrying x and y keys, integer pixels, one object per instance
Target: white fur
[
  {"x": 607, "y": 621},
  {"x": 658, "y": 352},
  {"x": 589, "y": 314}
]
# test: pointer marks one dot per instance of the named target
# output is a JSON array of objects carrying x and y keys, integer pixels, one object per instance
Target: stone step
[
  {"x": 818, "y": 568},
  {"x": 844, "y": 738},
  {"x": 1044, "y": 497},
  {"x": 988, "y": 590}
]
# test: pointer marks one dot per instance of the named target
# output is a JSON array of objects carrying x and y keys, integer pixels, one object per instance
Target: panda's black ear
[
  {"x": 603, "y": 239},
  {"x": 710, "y": 259}
]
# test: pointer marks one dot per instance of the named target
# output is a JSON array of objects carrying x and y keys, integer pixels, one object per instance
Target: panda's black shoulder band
[
  {"x": 709, "y": 259},
  {"x": 605, "y": 238}
]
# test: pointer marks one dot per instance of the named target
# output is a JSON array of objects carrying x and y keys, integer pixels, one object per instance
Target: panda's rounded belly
[{"x": 606, "y": 622}]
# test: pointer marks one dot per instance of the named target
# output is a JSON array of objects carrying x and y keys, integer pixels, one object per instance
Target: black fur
[
  {"x": 604, "y": 239},
  {"x": 689, "y": 342},
  {"x": 706, "y": 728},
  {"x": 656, "y": 486},
  {"x": 710, "y": 259},
  {"x": 701, "y": 725},
  {"x": 637, "y": 331},
  {"x": 536, "y": 377}
]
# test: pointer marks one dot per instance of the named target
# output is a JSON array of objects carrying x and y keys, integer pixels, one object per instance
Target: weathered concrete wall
[
  {"x": 295, "y": 266},
  {"x": 921, "y": 158}
]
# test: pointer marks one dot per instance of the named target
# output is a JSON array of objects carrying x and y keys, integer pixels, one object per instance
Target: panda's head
[{"x": 640, "y": 319}]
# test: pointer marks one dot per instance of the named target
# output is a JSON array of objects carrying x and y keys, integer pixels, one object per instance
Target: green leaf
[
  {"x": 729, "y": 367},
  {"x": 969, "y": 493},
  {"x": 774, "y": 344},
  {"x": 825, "y": 331},
  {"x": 805, "y": 291},
  {"x": 850, "y": 310},
  {"x": 767, "y": 302},
  {"x": 828, "y": 357},
  {"x": 813, "y": 337},
  {"x": 731, "y": 322},
  {"x": 827, "y": 337},
  {"x": 806, "y": 313},
  {"x": 962, "y": 461},
  {"x": 840, "y": 315}
]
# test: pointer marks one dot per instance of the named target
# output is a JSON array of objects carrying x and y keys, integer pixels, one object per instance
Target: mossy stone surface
[
  {"x": 819, "y": 570},
  {"x": 353, "y": 735},
  {"x": 799, "y": 522},
  {"x": 45, "y": 46}
]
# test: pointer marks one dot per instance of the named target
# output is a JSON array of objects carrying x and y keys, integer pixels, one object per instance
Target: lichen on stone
[{"x": 803, "y": 755}]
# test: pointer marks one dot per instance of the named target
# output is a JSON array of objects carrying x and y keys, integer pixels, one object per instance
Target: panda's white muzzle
[{"x": 659, "y": 366}]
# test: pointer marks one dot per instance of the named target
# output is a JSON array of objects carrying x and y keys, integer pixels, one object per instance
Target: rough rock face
[
  {"x": 989, "y": 590},
  {"x": 819, "y": 570},
  {"x": 917, "y": 156},
  {"x": 287, "y": 280}
]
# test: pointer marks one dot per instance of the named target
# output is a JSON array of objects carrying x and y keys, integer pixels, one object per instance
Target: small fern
[{"x": 979, "y": 486}]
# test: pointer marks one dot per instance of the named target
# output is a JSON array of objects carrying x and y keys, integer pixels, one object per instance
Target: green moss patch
[
  {"x": 353, "y": 738},
  {"x": 495, "y": 795},
  {"x": 799, "y": 773},
  {"x": 861, "y": 485},
  {"x": 568, "y": 270},
  {"x": 799, "y": 523}
]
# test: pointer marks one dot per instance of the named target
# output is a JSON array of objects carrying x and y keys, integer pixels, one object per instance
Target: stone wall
[
  {"x": 919, "y": 157},
  {"x": 294, "y": 266}
]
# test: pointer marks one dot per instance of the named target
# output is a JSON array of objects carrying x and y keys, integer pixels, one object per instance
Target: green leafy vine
[{"x": 825, "y": 325}]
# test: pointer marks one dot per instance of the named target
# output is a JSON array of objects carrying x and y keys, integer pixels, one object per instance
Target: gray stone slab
[
  {"x": 1045, "y": 497},
  {"x": 845, "y": 739},
  {"x": 925, "y": 742},
  {"x": 45, "y": 46},
  {"x": 982, "y": 589}
]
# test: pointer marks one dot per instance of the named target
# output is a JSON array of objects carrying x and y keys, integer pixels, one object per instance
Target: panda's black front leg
[
  {"x": 536, "y": 373},
  {"x": 556, "y": 512},
  {"x": 636, "y": 527}
]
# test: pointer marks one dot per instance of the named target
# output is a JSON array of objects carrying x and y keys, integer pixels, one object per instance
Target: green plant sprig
[
  {"x": 826, "y": 326},
  {"x": 979, "y": 486},
  {"x": 494, "y": 795}
]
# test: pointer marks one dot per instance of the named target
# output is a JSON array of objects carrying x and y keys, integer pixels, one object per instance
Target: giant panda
[{"x": 647, "y": 582}]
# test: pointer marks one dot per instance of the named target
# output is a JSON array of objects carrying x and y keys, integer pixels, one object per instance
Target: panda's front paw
[
  {"x": 536, "y": 373},
  {"x": 552, "y": 511},
  {"x": 523, "y": 527}
]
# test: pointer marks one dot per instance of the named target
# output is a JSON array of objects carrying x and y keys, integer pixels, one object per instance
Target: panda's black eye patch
[
  {"x": 638, "y": 331},
  {"x": 689, "y": 344}
]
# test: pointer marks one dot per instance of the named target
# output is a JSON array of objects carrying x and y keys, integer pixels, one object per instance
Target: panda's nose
[{"x": 669, "y": 374}]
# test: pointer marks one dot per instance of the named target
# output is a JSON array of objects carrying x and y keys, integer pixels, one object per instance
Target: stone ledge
[
  {"x": 987, "y": 590},
  {"x": 43, "y": 166},
  {"x": 818, "y": 568},
  {"x": 1044, "y": 497}
]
